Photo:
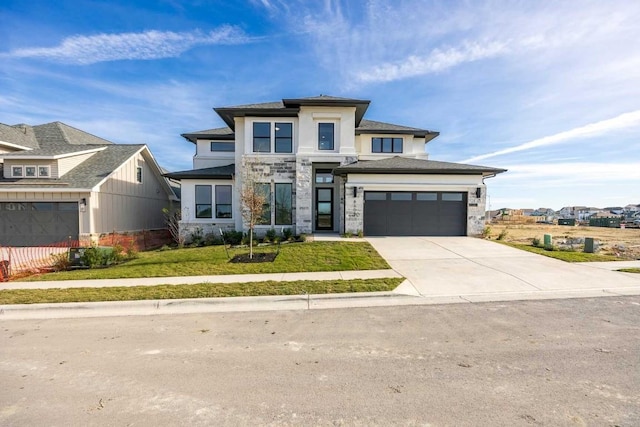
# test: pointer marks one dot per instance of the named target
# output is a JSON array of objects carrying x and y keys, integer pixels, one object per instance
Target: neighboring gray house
[
  {"x": 324, "y": 168},
  {"x": 59, "y": 183}
]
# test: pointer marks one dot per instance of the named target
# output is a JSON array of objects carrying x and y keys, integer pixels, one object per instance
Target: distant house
[
  {"x": 59, "y": 183},
  {"x": 323, "y": 167}
]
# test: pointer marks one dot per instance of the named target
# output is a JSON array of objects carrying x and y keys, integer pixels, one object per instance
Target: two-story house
[
  {"x": 325, "y": 168},
  {"x": 58, "y": 183}
]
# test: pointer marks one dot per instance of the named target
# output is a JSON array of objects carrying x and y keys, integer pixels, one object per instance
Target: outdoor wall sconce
[
  {"x": 83, "y": 204},
  {"x": 478, "y": 192}
]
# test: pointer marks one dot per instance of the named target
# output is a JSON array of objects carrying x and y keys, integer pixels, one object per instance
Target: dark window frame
[
  {"x": 281, "y": 136},
  {"x": 201, "y": 208},
  {"x": 327, "y": 126},
  {"x": 260, "y": 137},
  {"x": 283, "y": 207},
  {"x": 387, "y": 145},
  {"x": 227, "y": 204},
  {"x": 222, "y": 146},
  {"x": 139, "y": 174}
]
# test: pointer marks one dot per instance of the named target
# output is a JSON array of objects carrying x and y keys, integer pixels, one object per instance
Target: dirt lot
[{"x": 624, "y": 243}]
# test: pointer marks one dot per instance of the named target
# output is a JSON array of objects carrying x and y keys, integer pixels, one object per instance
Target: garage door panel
[
  {"x": 38, "y": 223},
  {"x": 415, "y": 214}
]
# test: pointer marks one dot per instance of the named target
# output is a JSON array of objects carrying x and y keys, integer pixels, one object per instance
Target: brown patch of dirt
[
  {"x": 621, "y": 242},
  {"x": 257, "y": 257}
]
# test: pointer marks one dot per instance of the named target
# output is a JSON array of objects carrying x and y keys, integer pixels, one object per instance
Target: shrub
[
  {"x": 303, "y": 237},
  {"x": 287, "y": 234},
  {"x": 60, "y": 262},
  {"x": 536, "y": 242},
  {"x": 486, "y": 232},
  {"x": 232, "y": 237},
  {"x": 211, "y": 239},
  {"x": 360, "y": 234},
  {"x": 196, "y": 237},
  {"x": 270, "y": 234},
  {"x": 92, "y": 257},
  {"x": 503, "y": 234}
]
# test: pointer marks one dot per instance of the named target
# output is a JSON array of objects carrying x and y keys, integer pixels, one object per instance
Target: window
[
  {"x": 227, "y": 146},
  {"x": 265, "y": 190},
  {"x": 283, "y": 204},
  {"x": 284, "y": 138},
  {"x": 30, "y": 171},
  {"x": 401, "y": 196},
  {"x": 203, "y": 201},
  {"x": 386, "y": 145},
  {"x": 375, "y": 196},
  {"x": 223, "y": 201},
  {"x": 44, "y": 171},
  {"x": 16, "y": 171},
  {"x": 426, "y": 197},
  {"x": 325, "y": 136},
  {"x": 324, "y": 176},
  {"x": 451, "y": 197},
  {"x": 139, "y": 174},
  {"x": 261, "y": 137}
]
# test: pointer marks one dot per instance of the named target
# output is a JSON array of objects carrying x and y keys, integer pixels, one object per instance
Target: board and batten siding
[{"x": 123, "y": 204}]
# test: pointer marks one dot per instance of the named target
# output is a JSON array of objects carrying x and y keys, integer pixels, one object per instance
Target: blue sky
[{"x": 547, "y": 89}]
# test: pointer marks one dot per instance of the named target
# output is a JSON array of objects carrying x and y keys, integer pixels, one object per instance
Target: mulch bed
[{"x": 257, "y": 257}]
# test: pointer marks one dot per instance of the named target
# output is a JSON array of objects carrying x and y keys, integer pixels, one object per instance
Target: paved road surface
[{"x": 557, "y": 362}]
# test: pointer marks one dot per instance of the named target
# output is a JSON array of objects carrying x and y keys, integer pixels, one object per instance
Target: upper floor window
[
  {"x": 139, "y": 174},
  {"x": 325, "y": 136},
  {"x": 282, "y": 135},
  {"x": 284, "y": 138},
  {"x": 386, "y": 145},
  {"x": 225, "y": 146},
  {"x": 44, "y": 171},
  {"x": 30, "y": 171},
  {"x": 17, "y": 171},
  {"x": 261, "y": 137}
]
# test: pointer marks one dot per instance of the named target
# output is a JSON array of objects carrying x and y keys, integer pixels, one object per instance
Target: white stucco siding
[
  {"x": 411, "y": 147},
  {"x": 123, "y": 204},
  {"x": 344, "y": 129},
  {"x": 205, "y": 158},
  {"x": 244, "y": 134},
  {"x": 411, "y": 181}
]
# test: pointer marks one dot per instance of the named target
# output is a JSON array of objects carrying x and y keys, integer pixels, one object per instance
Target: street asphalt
[{"x": 438, "y": 270}]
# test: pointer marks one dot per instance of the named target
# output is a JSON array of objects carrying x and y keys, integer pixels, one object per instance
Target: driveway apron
[{"x": 438, "y": 266}]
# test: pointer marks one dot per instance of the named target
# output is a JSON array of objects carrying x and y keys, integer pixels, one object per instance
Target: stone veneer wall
[
  {"x": 476, "y": 211},
  {"x": 354, "y": 209},
  {"x": 304, "y": 196}
]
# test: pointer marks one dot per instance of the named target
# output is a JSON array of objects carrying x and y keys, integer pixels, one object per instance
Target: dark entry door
[{"x": 324, "y": 208}]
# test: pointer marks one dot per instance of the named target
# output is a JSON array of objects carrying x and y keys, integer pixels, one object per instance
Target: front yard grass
[
  {"x": 212, "y": 260},
  {"x": 630, "y": 270},
  {"x": 200, "y": 290},
  {"x": 568, "y": 256}
]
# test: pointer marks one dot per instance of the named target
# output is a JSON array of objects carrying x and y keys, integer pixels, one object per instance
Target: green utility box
[
  {"x": 589, "y": 245},
  {"x": 548, "y": 241},
  {"x": 567, "y": 221}
]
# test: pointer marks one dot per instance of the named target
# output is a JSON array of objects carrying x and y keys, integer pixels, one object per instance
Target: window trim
[
  {"x": 35, "y": 171},
  {"x": 232, "y": 144},
  {"x": 253, "y": 136},
  {"x": 139, "y": 175},
  {"x": 14, "y": 168},
  {"x": 275, "y": 203},
  {"x": 276, "y": 137},
  {"x": 48, "y": 168},
  {"x": 273, "y": 136}
]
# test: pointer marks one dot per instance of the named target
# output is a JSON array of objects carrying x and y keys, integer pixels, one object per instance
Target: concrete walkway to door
[{"x": 457, "y": 266}]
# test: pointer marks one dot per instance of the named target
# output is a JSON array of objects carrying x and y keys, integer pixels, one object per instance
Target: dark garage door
[
  {"x": 418, "y": 213},
  {"x": 37, "y": 223}
]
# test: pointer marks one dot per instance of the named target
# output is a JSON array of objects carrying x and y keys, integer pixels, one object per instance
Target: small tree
[
  {"x": 252, "y": 198},
  {"x": 172, "y": 219}
]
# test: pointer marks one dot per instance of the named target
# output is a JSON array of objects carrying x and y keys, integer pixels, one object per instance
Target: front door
[{"x": 324, "y": 208}]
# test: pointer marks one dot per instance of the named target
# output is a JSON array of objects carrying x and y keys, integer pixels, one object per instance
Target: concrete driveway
[{"x": 447, "y": 266}]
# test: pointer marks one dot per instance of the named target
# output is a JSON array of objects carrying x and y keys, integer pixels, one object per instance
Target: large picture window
[
  {"x": 283, "y": 204},
  {"x": 326, "y": 136},
  {"x": 386, "y": 145},
  {"x": 261, "y": 137},
  {"x": 223, "y": 201},
  {"x": 203, "y": 201}
]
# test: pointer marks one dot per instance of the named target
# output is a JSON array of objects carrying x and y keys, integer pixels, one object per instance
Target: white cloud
[
  {"x": 623, "y": 121},
  {"x": 138, "y": 46}
]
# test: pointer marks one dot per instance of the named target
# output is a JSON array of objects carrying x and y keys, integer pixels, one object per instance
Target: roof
[
  {"x": 53, "y": 151},
  {"x": 59, "y": 133},
  {"x": 289, "y": 108},
  {"x": 20, "y": 135},
  {"x": 87, "y": 174},
  {"x": 219, "y": 172},
  {"x": 371, "y": 126},
  {"x": 404, "y": 165},
  {"x": 224, "y": 133}
]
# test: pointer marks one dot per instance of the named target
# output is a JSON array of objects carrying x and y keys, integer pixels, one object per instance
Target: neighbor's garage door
[
  {"x": 37, "y": 223},
  {"x": 395, "y": 213}
]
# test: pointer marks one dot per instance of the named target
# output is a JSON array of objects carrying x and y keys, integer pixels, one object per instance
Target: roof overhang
[
  {"x": 426, "y": 134},
  {"x": 27, "y": 156},
  {"x": 11, "y": 145},
  {"x": 228, "y": 114},
  {"x": 361, "y": 105}
]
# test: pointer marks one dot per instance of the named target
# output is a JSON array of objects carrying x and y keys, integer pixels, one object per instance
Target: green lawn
[
  {"x": 630, "y": 270},
  {"x": 212, "y": 260},
  {"x": 200, "y": 290},
  {"x": 567, "y": 256}
]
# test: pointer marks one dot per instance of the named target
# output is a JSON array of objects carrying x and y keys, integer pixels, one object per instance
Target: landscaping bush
[
  {"x": 536, "y": 242},
  {"x": 287, "y": 234},
  {"x": 486, "y": 232},
  {"x": 270, "y": 235},
  {"x": 503, "y": 234},
  {"x": 232, "y": 237}
]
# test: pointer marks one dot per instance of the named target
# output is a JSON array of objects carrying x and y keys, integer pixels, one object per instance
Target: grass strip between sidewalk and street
[
  {"x": 199, "y": 290},
  {"x": 630, "y": 270},
  {"x": 213, "y": 260},
  {"x": 568, "y": 256}
]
